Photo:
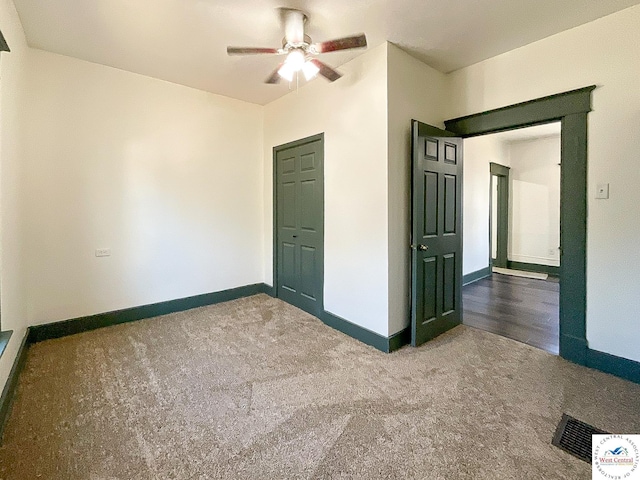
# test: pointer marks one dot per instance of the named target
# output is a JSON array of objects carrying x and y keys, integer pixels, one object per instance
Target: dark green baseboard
[
  {"x": 534, "y": 267},
  {"x": 380, "y": 342},
  {"x": 269, "y": 290},
  {"x": 475, "y": 276},
  {"x": 618, "y": 366},
  {"x": 576, "y": 350},
  {"x": 377, "y": 341},
  {"x": 573, "y": 349},
  {"x": 365, "y": 336},
  {"x": 49, "y": 331},
  {"x": 63, "y": 328},
  {"x": 400, "y": 339},
  {"x": 12, "y": 382}
]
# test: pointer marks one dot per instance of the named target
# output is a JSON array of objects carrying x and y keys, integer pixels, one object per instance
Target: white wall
[
  {"x": 534, "y": 206},
  {"x": 479, "y": 152},
  {"x": 606, "y": 53},
  {"x": 168, "y": 177},
  {"x": 13, "y": 312},
  {"x": 416, "y": 92},
  {"x": 352, "y": 113}
]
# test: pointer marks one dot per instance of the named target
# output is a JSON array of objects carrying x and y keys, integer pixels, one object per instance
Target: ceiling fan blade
[
  {"x": 275, "y": 76},
  {"x": 251, "y": 51},
  {"x": 356, "y": 41},
  {"x": 326, "y": 71}
]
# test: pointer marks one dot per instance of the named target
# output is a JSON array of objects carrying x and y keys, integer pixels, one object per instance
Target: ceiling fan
[{"x": 300, "y": 51}]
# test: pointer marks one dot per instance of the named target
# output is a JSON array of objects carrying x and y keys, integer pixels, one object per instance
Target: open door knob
[{"x": 423, "y": 248}]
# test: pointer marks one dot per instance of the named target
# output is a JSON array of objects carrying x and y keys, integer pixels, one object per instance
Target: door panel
[
  {"x": 450, "y": 213},
  {"x": 430, "y": 204},
  {"x": 448, "y": 283},
  {"x": 307, "y": 267},
  {"x": 308, "y": 162},
  {"x": 288, "y": 165},
  {"x": 430, "y": 287},
  {"x": 308, "y": 219},
  {"x": 431, "y": 151},
  {"x": 450, "y": 153},
  {"x": 299, "y": 212},
  {"x": 288, "y": 196},
  {"x": 436, "y": 232},
  {"x": 289, "y": 267}
]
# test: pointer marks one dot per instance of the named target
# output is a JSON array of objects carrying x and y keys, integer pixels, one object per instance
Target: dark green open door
[{"x": 436, "y": 283}]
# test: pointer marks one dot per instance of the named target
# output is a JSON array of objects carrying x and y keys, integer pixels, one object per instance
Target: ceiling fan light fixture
[
  {"x": 286, "y": 71},
  {"x": 310, "y": 70},
  {"x": 300, "y": 51},
  {"x": 296, "y": 59},
  {"x": 294, "y": 63}
]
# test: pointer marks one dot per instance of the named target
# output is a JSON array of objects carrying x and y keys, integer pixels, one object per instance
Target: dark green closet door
[{"x": 299, "y": 224}]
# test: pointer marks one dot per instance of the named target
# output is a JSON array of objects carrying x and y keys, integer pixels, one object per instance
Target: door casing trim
[
  {"x": 502, "y": 238},
  {"x": 570, "y": 108}
]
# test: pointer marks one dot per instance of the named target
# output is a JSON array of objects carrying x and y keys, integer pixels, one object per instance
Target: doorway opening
[
  {"x": 512, "y": 192},
  {"x": 571, "y": 109}
]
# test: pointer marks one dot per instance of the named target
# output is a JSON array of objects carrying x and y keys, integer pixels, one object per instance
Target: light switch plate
[
  {"x": 602, "y": 190},
  {"x": 103, "y": 252}
]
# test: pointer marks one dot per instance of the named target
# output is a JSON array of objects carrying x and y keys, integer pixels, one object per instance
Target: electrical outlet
[{"x": 103, "y": 252}]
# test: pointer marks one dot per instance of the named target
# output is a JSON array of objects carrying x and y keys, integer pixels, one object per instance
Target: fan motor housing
[{"x": 304, "y": 44}]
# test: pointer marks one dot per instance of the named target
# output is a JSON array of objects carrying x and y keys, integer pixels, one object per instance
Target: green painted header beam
[{"x": 534, "y": 112}]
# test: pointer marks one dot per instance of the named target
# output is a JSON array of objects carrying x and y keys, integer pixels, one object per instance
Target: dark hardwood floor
[{"x": 523, "y": 309}]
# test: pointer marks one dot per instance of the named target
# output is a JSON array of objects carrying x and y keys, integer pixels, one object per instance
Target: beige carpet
[{"x": 257, "y": 389}]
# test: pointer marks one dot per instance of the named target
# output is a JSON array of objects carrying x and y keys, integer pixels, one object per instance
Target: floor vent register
[{"x": 574, "y": 437}]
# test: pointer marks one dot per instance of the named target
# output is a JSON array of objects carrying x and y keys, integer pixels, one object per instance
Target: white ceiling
[
  {"x": 184, "y": 41},
  {"x": 529, "y": 133}
]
